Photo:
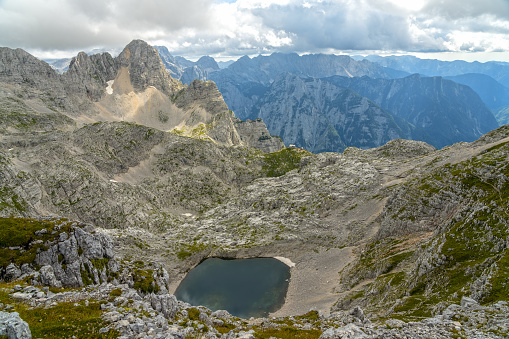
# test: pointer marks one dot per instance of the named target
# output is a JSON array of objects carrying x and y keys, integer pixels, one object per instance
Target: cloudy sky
[{"x": 227, "y": 29}]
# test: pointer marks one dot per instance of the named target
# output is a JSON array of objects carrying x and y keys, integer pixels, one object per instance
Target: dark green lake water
[{"x": 244, "y": 287}]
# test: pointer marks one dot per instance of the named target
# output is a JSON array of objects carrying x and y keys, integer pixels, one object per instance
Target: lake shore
[{"x": 314, "y": 281}]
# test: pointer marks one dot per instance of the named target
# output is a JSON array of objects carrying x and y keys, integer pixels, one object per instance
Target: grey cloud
[
  {"x": 454, "y": 9},
  {"x": 71, "y": 24},
  {"x": 343, "y": 26},
  {"x": 188, "y": 28}
]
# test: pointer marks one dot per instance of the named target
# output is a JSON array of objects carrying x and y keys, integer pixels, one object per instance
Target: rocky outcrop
[
  {"x": 201, "y": 94},
  {"x": 13, "y": 327},
  {"x": 90, "y": 74},
  {"x": 256, "y": 134},
  {"x": 21, "y": 68},
  {"x": 73, "y": 254}
]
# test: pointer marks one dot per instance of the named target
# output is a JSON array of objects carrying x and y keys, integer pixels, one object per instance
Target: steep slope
[
  {"x": 503, "y": 115},
  {"x": 448, "y": 112},
  {"x": 493, "y": 94},
  {"x": 443, "y": 235},
  {"x": 169, "y": 61},
  {"x": 320, "y": 117}
]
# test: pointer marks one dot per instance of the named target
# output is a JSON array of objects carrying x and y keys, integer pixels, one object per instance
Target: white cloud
[{"x": 228, "y": 27}]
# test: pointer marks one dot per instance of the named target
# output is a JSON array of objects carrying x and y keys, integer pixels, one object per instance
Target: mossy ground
[
  {"x": 62, "y": 321},
  {"x": 281, "y": 162},
  {"x": 19, "y": 243}
]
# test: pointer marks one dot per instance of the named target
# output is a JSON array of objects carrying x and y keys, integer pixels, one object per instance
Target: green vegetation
[
  {"x": 87, "y": 276},
  {"x": 285, "y": 332},
  {"x": 224, "y": 328},
  {"x": 193, "y": 313},
  {"x": 144, "y": 281},
  {"x": 19, "y": 243},
  {"x": 116, "y": 292},
  {"x": 62, "y": 321},
  {"x": 279, "y": 163},
  {"x": 311, "y": 315},
  {"x": 189, "y": 250}
]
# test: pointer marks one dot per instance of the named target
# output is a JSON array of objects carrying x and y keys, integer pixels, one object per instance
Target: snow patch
[
  {"x": 109, "y": 89},
  {"x": 286, "y": 261}
]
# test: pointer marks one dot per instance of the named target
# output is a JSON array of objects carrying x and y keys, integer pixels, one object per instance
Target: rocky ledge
[{"x": 128, "y": 313}]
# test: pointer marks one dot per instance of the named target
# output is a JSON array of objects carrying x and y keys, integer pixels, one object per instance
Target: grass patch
[
  {"x": 224, "y": 328},
  {"x": 287, "y": 332},
  {"x": 62, "y": 321},
  {"x": 193, "y": 313},
  {"x": 281, "y": 162},
  {"x": 66, "y": 321},
  {"x": 144, "y": 281},
  {"x": 18, "y": 242},
  {"x": 311, "y": 316},
  {"x": 189, "y": 250}
]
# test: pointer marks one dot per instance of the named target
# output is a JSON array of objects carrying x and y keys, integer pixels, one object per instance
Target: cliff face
[
  {"x": 145, "y": 68},
  {"x": 319, "y": 116},
  {"x": 447, "y": 111}
]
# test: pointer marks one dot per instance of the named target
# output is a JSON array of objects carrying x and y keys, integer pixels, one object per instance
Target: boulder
[
  {"x": 349, "y": 331},
  {"x": 12, "y": 272},
  {"x": 12, "y": 326},
  {"x": 468, "y": 302},
  {"x": 164, "y": 303},
  {"x": 48, "y": 276}
]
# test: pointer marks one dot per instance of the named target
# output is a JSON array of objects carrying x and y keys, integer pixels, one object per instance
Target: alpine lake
[{"x": 244, "y": 287}]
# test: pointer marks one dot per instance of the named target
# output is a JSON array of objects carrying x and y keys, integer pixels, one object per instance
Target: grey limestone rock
[
  {"x": 255, "y": 134},
  {"x": 350, "y": 331},
  {"x": 165, "y": 304},
  {"x": 89, "y": 74},
  {"x": 47, "y": 276},
  {"x": 358, "y": 313},
  {"x": 145, "y": 67},
  {"x": 12, "y": 326},
  {"x": 468, "y": 302},
  {"x": 12, "y": 272}
]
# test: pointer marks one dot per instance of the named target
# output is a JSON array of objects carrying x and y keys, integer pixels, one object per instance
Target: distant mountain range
[
  {"x": 320, "y": 116},
  {"x": 432, "y": 67},
  {"x": 447, "y": 111},
  {"x": 428, "y": 107},
  {"x": 432, "y": 109}
]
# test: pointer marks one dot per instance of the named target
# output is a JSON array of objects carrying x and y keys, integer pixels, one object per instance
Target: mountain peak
[
  {"x": 145, "y": 67},
  {"x": 207, "y": 63}
]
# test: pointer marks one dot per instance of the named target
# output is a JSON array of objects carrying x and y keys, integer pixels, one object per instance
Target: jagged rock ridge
[{"x": 134, "y": 86}]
